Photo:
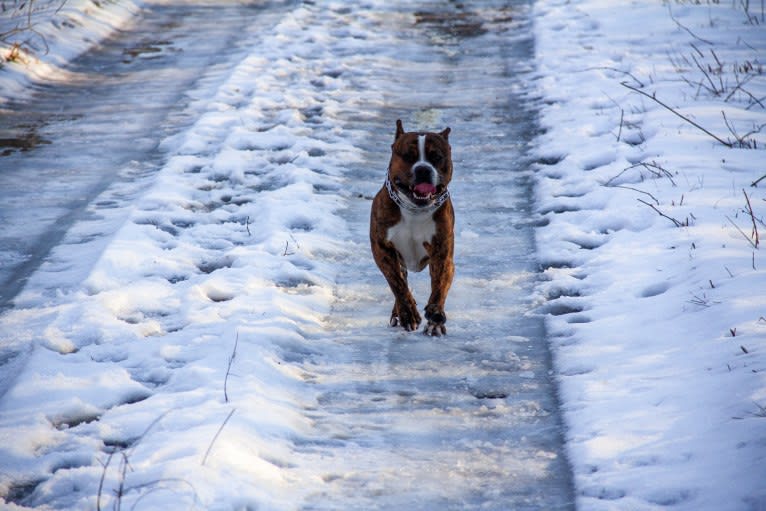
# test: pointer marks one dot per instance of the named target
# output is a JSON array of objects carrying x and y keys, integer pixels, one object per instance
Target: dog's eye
[
  {"x": 409, "y": 155},
  {"x": 435, "y": 158}
]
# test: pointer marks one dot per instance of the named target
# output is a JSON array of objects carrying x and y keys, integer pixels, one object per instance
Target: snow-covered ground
[
  {"x": 192, "y": 350},
  {"x": 240, "y": 294},
  {"x": 657, "y": 323},
  {"x": 40, "y": 36}
]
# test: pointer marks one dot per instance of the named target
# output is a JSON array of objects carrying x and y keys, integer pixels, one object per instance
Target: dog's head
[{"x": 421, "y": 165}]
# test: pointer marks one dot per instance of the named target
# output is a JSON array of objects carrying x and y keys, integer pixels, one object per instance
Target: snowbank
[
  {"x": 41, "y": 36},
  {"x": 656, "y": 290}
]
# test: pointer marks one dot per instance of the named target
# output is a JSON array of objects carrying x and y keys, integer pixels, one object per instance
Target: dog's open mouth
[{"x": 423, "y": 192}]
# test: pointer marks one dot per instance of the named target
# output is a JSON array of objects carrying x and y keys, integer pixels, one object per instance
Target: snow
[
  {"x": 196, "y": 349},
  {"x": 658, "y": 331},
  {"x": 60, "y": 31}
]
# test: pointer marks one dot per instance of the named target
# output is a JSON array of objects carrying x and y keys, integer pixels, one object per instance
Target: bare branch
[
  {"x": 622, "y": 118},
  {"x": 713, "y": 88},
  {"x": 639, "y": 191},
  {"x": 28, "y": 26},
  {"x": 210, "y": 447},
  {"x": 652, "y": 167},
  {"x": 740, "y": 87},
  {"x": 653, "y": 98},
  {"x": 752, "y": 217},
  {"x": 101, "y": 481},
  {"x": 749, "y": 240},
  {"x": 228, "y": 369},
  {"x": 742, "y": 140},
  {"x": 609, "y": 68},
  {"x": 686, "y": 29},
  {"x": 675, "y": 222}
]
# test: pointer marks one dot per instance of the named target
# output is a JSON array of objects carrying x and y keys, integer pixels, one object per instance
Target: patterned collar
[{"x": 430, "y": 208}]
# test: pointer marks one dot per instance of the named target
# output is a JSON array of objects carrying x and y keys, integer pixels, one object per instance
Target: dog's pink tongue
[{"x": 425, "y": 189}]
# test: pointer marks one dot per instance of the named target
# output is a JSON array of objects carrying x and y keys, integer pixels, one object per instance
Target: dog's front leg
[
  {"x": 442, "y": 269},
  {"x": 405, "y": 311},
  {"x": 441, "y": 280}
]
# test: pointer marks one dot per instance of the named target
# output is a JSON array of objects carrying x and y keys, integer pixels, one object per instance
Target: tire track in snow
[{"x": 94, "y": 127}]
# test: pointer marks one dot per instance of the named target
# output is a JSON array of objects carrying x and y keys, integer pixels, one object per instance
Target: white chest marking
[{"x": 408, "y": 237}]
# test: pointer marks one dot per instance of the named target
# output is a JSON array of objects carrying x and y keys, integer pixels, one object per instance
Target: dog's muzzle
[{"x": 424, "y": 188}]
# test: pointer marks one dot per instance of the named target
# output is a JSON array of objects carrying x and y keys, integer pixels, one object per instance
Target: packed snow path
[
  {"x": 468, "y": 421},
  {"x": 229, "y": 349}
]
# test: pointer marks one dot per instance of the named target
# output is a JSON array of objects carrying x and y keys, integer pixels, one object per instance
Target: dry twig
[
  {"x": 653, "y": 98},
  {"x": 754, "y": 234},
  {"x": 223, "y": 425},
  {"x": 742, "y": 140},
  {"x": 608, "y": 68},
  {"x": 639, "y": 191},
  {"x": 228, "y": 369},
  {"x": 654, "y": 168},
  {"x": 686, "y": 29},
  {"x": 675, "y": 222},
  {"x": 101, "y": 481},
  {"x": 124, "y": 464},
  {"x": 622, "y": 118},
  {"x": 27, "y": 26},
  {"x": 749, "y": 240}
]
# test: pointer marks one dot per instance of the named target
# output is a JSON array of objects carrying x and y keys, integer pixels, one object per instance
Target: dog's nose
[{"x": 423, "y": 173}]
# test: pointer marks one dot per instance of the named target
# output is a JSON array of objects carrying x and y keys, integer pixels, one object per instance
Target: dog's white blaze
[
  {"x": 409, "y": 235},
  {"x": 422, "y": 160},
  {"x": 422, "y": 149}
]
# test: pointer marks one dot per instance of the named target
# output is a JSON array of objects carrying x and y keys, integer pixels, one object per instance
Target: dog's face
[{"x": 421, "y": 165}]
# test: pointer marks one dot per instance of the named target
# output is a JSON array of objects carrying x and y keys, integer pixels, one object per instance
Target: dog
[{"x": 412, "y": 225}]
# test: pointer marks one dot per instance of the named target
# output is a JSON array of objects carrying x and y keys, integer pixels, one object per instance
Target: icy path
[
  {"x": 468, "y": 421},
  {"x": 229, "y": 348}
]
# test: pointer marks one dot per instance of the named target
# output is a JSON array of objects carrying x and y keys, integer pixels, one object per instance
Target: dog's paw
[
  {"x": 409, "y": 322},
  {"x": 406, "y": 317},
  {"x": 435, "y": 330},
  {"x": 436, "y": 319}
]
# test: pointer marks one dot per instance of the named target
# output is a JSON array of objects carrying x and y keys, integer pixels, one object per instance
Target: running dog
[{"x": 412, "y": 223}]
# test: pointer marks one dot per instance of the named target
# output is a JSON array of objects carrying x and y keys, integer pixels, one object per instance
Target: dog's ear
[
  {"x": 399, "y": 129},
  {"x": 445, "y": 134}
]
